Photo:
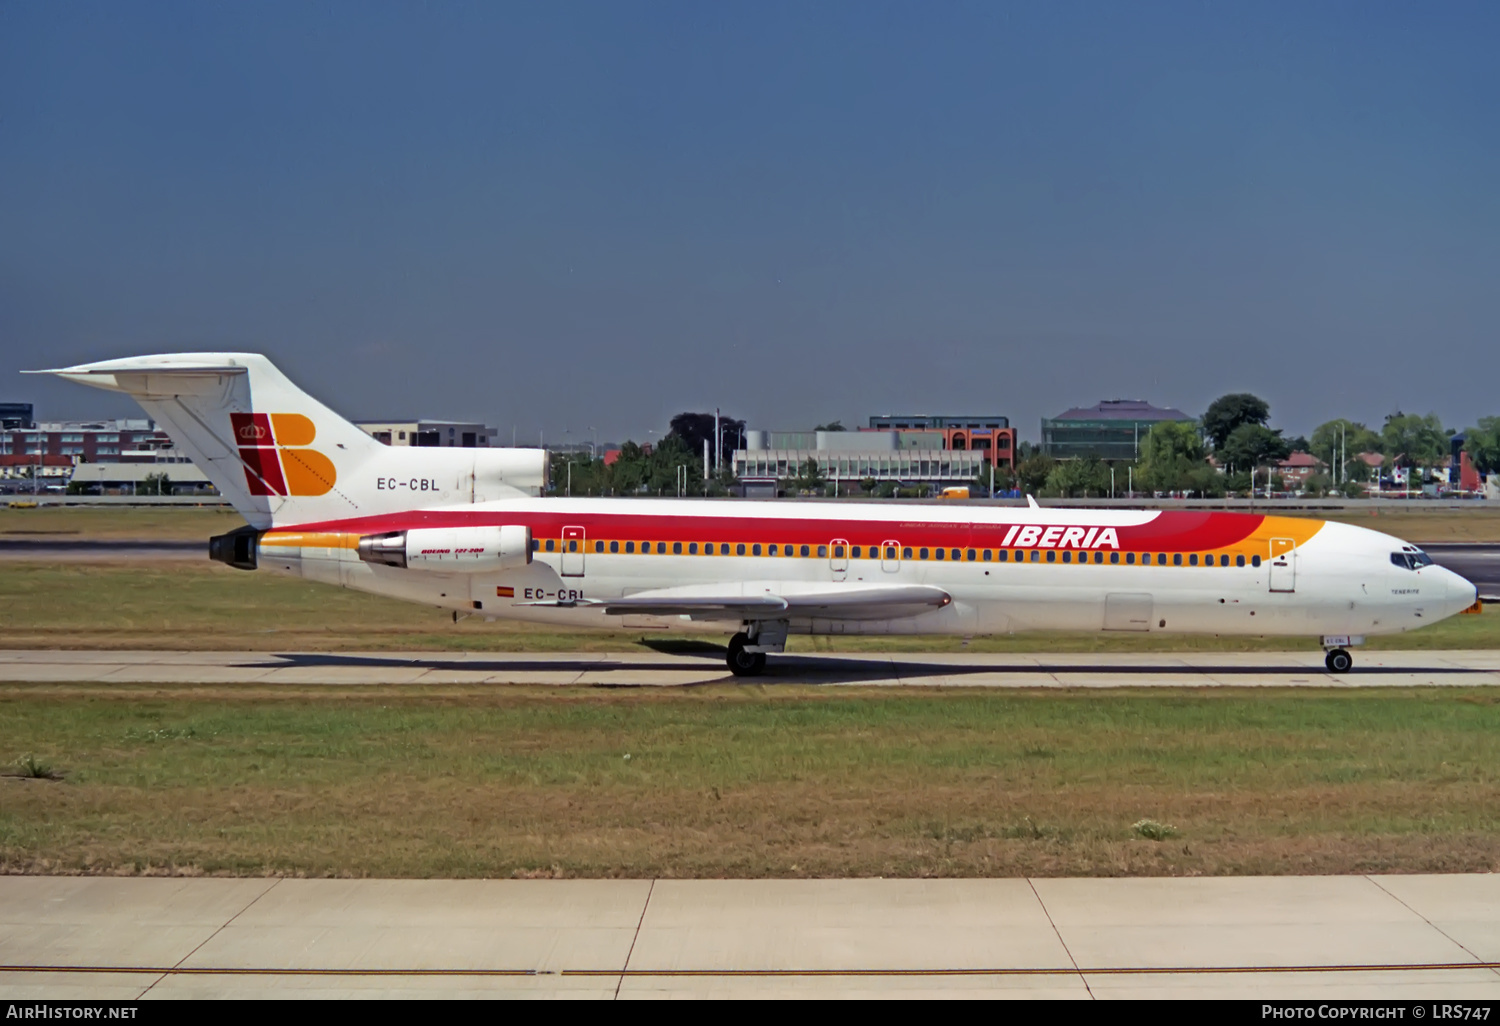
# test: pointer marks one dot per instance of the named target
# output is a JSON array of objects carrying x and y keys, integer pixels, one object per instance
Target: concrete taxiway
[
  {"x": 1398, "y": 937},
  {"x": 649, "y": 669}
]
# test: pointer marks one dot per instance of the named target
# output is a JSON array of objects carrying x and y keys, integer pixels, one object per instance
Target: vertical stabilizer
[
  {"x": 272, "y": 450},
  {"x": 284, "y": 459}
]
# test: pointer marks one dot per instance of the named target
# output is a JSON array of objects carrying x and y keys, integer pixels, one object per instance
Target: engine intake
[{"x": 450, "y": 549}]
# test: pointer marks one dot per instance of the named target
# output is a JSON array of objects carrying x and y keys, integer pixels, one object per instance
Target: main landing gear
[
  {"x": 742, "y": 663},
  {"x": 1338, "y": 661}
]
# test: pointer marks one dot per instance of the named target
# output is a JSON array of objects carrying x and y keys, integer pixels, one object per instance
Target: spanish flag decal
[{"x": 506, "y": 592}]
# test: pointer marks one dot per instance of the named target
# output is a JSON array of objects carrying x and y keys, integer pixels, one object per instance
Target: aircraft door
[
  {"x": 838, "y": 558},
  {"x": 1128, "y": 611},
  {"x": 572, "y": 551},
  {"x": 890, "y": 556},
  {"x": 1283, "y": 564}
]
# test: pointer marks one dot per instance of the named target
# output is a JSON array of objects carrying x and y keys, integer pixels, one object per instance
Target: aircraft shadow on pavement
[
  {"x": 332, "y": 660},
  {"x": 834, "y": 670},
  {"x": 828, "y": 669}
]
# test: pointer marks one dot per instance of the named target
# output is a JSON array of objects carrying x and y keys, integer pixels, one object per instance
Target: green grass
[
  {"x": 192, "y": 605},
  {"x": 146, "y": 523},
  {"x": 749, "y": 781}
]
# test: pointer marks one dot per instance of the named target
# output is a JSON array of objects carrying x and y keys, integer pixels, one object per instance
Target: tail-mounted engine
[
  {"x": 238, "y": 548},
  {"x": 450, "y": 549}
]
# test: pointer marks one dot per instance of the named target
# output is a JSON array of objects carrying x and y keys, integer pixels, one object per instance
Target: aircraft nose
[{"x": 1461, "y": 592}]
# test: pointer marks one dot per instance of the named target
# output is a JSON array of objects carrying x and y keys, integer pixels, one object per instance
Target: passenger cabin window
[
  {"x": 615, "y": 546},
  {"x": 838, "y": 552},
  {"x": 677, "y": 548},
  {"x": 1067, "y": 557},
  {"x": 1255, "y": 561},
  {"x": 971, "y": 555},
  {"x": 1001, "y": 555},
  {"x": 1114, "y": 557},
  {"x": 549, "y": 544},
  {"x": 922, "y": 553},
  {"x": 755, "y": 550},
  {"x": 629, "y": 547},
  {"x": 1177, "y": 559},
  {"x": 1129, "y": 558},
  {"x": 692, "y": 548},
  {"x": 1192, "y": 560},
  {"x": 1239, "y": 560},
  {"x": 906, "y": 552},
  {"x": 772, "y": 550},
  {"x": 1051, "y": 556},
  {"x": 939, "y": 553},
  {"x": 535, "y": 545},
  {"x": 805, "y": 550},
  {"x": 739, "y": 550},
  {"x": 598, "y": 546}
]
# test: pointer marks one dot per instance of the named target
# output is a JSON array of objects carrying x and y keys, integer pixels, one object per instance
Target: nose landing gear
[{"x": 1338, "y": 661}]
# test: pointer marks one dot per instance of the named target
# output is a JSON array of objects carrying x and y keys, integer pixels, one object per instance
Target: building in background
[
  {"x": 456, "y": 433},
  {"x": 846, "y": 458},
  {"x": 16, "y": 415},
  {"x": 991, "y": 434},
  {"x": 28, "y": 473},
  {"x": 1297, "y": 468},
  {"x": 86, "y": 441},
  {"x": 182, "y": 475},
  {"x": 1112, "y": 430}
]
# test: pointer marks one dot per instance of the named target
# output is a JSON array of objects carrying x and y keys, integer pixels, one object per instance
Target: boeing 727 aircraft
[{"x": 465, "y": 529}]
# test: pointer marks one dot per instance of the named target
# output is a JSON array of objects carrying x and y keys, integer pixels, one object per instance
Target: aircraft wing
[{"x": 738, "y": 601}]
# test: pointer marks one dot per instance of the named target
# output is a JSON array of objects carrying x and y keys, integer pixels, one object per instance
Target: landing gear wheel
[
  {"x": 1338, "y": 661},
  {"x": 742, "y": 663}
]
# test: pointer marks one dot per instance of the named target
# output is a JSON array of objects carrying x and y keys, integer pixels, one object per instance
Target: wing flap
[{"x": 746, "y": 602}]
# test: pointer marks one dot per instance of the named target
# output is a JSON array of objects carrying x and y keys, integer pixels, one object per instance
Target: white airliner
[{"x": 464, "y": 529}]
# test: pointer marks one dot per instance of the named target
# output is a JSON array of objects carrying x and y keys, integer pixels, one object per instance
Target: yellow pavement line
[{"x": 1059, "y": 971}]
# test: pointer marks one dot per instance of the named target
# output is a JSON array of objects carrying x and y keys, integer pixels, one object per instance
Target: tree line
[{"x": 1235, "y": 434}]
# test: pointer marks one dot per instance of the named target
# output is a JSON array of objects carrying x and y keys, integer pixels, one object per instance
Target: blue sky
[{"x": 567, "y": 216}]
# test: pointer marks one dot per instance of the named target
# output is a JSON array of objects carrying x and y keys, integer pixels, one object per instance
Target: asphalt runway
[
  {"x": 1306, "y": 938},
  {"x": 648, "y": 669},
  {"x": 101, "y": 551}
]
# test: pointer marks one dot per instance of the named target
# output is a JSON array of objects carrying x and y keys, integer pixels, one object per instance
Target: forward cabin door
[
  {"x": 572, "y": 551},
  {"x": 1283, "y": 564},
  {"x": 838, "y": 558}
]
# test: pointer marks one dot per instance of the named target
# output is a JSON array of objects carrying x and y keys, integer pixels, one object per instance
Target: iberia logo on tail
[{"x": 272, "y": 447}]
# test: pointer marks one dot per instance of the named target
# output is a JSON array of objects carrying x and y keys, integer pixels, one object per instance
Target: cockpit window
[{"x": 1413, "y": 560}]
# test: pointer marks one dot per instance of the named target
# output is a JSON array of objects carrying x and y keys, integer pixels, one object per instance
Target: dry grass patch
[{"x": 749, "y": 782}]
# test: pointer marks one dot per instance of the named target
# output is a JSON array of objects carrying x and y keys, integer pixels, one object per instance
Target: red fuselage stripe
[{"x": 1167, "y": 532}]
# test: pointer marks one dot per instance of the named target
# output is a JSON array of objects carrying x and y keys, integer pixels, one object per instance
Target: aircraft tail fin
[{"x": 283, "y": 458}]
